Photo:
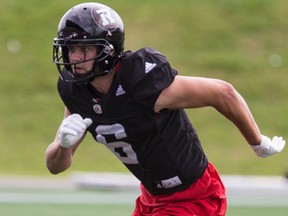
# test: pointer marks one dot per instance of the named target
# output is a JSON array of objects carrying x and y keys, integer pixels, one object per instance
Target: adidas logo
[
  {"x": 120, "y": 91},
  {"x": 159, "y": 186},
  {"x": 149, "y": 66}
]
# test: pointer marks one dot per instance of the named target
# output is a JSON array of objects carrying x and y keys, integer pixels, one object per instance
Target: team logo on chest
[{"x": 96, "y": 107}]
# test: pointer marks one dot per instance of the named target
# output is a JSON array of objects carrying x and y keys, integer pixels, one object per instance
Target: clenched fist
[
  {"x": 72, "y": 129},
  {"x": 269, "y": 146}
]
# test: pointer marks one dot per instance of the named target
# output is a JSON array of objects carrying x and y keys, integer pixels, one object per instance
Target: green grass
[
  {"x": 53, "y": 201},
  {"x": 230, "y": 40},
  {"x": 112, "y": 210},
  {"x": 263, "y": 211},
  {"x": 65, "y": 210}
]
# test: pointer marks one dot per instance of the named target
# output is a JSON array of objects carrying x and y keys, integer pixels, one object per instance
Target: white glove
[
  {"x": 72, "y": 129},
  {"x": 269, "y": 147}
]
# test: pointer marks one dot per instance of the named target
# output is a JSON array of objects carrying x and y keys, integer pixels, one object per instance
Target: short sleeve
[{"x": 145, "y": 74}]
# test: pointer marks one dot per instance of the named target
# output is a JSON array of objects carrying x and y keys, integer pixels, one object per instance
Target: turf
[
  {"x": 62, "y": 202},
  {"x": 65, "y": 210},
  {"x": 112, "y": 210}
]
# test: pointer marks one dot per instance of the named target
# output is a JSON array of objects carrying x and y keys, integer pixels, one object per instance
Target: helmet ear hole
[{"x": 109, "y": 49}]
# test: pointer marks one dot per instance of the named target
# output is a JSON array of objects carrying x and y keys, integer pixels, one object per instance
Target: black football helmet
[{"x": 89, "y": 24}]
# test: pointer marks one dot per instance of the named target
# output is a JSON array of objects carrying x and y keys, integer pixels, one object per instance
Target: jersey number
[{"x": 120, "y": 148}]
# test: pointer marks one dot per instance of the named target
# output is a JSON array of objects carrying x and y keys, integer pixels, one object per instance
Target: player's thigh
[{"x": 206, "y": 207}]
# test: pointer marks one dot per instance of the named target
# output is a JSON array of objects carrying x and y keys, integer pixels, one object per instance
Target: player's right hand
[{"x": 72, "y": 129}]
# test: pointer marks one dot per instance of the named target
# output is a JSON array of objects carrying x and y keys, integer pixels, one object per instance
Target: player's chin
[{"x": 79, "y": 71}]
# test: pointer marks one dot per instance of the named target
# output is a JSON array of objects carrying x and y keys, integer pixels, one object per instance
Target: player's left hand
[{"x": 269, "y": 146}]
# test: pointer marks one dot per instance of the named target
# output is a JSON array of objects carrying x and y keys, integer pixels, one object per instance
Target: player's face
[{"x": 80, "y": 54}]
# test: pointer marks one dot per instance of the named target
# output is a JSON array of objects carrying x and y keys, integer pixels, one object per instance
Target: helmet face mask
[
  {"x": 61, "y": 49},
  {"x": 89, "y": 25}
]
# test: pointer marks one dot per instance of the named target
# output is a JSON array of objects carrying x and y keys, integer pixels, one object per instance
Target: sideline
[
  {"x": 122, "y": 189},
  {"x": 241, "y": 190}
]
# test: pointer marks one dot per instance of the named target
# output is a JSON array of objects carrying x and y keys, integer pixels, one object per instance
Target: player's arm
[
  {"x": 69, "y": 135},
  {"x": 195, "y": 92}
]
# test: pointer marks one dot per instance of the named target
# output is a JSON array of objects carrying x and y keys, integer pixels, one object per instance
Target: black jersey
[{"x": 161, "y": 149}]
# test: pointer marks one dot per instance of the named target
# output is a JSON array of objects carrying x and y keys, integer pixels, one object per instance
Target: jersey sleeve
[{"x": 145, "y": 74}]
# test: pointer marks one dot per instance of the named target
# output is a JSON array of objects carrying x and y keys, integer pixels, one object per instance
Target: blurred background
[{"x": 242, "y": 42}]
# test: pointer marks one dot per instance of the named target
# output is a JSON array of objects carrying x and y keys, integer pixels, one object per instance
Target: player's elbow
[
  {"x": 229, "y": 92},
  {"x": 54, "y": 169},
  {"x": 57, "y": 159},
  {"x": 54, "y": 172},
  {"x": 228, "y": 97},
  {"x": 55, "y": 166}
]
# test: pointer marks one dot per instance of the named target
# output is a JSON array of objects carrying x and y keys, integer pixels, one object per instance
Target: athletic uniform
[{"x": 161, "y": 149}]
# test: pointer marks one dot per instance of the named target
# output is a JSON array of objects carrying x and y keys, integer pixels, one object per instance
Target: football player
[{"x": 133, "y": 103}]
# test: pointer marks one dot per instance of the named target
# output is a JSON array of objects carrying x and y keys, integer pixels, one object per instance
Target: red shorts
[{"x": 205, "y": 197}]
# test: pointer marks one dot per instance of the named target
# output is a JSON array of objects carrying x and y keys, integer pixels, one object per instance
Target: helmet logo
[{"x": 103, "y": 17}]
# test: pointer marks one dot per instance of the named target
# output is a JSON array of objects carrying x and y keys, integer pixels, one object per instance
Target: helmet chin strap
[
  {"x": 91, "y": 75},
  {"x": 116, "y": 67}
]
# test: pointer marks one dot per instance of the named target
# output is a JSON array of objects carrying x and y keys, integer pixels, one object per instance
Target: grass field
[
  {"x": 77, "y": 196},
  {"x": 113, "y": 210},
  {"x": 93, "y": 203},
  {"x": 243, "y": 42}
]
